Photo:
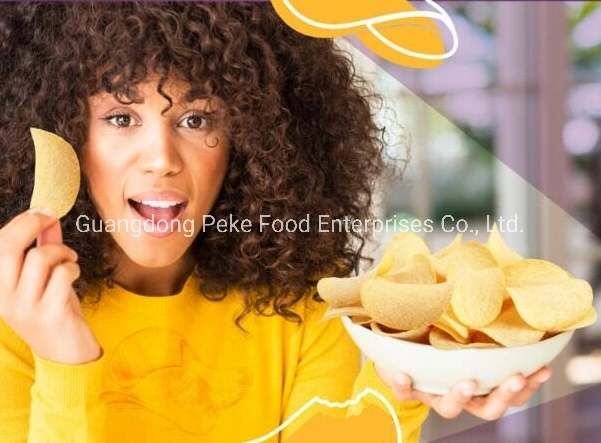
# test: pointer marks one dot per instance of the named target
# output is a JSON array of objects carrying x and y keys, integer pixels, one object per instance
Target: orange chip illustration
[
  {"x": 57, "y": 173},
  {"x": 396, "y": 31}
]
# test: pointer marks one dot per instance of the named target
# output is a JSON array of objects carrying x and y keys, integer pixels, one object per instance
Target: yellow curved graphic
[
  {"x": 395, "y": 30},
  {"x": 335, "y": 405}
]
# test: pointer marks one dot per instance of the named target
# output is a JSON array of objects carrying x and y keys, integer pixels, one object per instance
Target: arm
[
  {"x": 41, "y": 401},
  {"x": 41, "y": 322}
]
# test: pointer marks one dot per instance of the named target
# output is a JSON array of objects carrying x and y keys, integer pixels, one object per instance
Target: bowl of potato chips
[{"x": 472, "y": 310}]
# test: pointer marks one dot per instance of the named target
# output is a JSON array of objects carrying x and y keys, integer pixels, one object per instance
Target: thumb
[{"x": 53, "y": 234}]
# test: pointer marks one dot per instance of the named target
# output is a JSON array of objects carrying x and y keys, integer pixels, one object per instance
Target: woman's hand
[
  {"x": 36, "y": 297},
  {"x": 515, "y": 391}
]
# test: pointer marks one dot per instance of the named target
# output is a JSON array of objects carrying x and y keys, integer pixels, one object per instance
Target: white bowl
[{"x": 437, "y": 371}]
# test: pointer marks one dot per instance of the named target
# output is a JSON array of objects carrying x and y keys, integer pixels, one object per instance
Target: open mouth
[{"x": 156, "y": 210}]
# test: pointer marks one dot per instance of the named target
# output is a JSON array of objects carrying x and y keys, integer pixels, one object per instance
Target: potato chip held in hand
[{"x": 57, "y": 173}]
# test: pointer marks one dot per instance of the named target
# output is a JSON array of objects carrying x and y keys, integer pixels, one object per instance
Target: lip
[{"x": 162, "y": 195}]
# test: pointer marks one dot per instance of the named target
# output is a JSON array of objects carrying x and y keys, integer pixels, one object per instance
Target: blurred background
[{"x": 510, "y": 126}]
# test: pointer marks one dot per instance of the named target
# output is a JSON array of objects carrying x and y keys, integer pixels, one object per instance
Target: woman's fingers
[
  {"x": 38, "y": 265},
  {"x": 52, "y": 234},
  {"x": 18, "y": 235},
  {"x": 494, "y": 405},
  {"x": 24, "y": 229},
  {"x": 448, "y": 406},
  {"x": 515, "y": 391},
  {"x": 452, "y": 404},
  {"x": 37, "y": 299},
  {"x": 59, "y": 289},
  {"x": 533, "y": 384}
]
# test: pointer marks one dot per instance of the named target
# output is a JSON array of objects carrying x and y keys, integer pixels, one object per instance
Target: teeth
[{"x": 159, "y": 203}]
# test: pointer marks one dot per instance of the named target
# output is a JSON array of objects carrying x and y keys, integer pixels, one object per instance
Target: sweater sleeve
[
  {"x": 330, "y": 367},
  {"x": 41, "y": 401}
]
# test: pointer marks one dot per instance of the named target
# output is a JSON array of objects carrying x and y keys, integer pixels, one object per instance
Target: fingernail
[
  {"x": 44, "y": 211},
  {"x": 516, "y": 387},
  {"x": 543, "y": 378},
  {"x": 467, "y": 391}
]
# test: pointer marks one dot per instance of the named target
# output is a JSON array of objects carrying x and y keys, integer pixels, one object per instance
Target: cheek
[
  {"x": 211, "y": 169},
  {"x": 102, "y": 178}
]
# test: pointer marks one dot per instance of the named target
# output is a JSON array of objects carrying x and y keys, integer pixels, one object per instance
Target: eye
[
  {"x": 121, "y": 120},
  {"x": 194, "y": 121}
]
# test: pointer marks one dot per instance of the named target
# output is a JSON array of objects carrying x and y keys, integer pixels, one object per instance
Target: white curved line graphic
[
  {"x": 346, "y": 404},
  {"x": 369, "y": 23}
]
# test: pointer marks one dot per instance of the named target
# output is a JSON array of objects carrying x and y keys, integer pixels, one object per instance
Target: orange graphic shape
[
  {"x": 374, "y": 424},
  {"x": 337, "y": 18}
]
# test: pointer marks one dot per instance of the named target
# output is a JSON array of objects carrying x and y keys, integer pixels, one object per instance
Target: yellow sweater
[{"x": 176, "y": 369}]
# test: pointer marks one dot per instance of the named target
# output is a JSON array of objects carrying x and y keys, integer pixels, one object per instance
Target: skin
[
  {"x": 135, "y": 148},
  {"x": 36, "y": 297},
  {"x": 515, "y": 391},
  {"x": 131, "y": 149}
]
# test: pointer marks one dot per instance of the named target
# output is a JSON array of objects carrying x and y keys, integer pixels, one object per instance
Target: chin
[
  {"x": 156, "y": 260},
  {"x": 152, "y": 255}
]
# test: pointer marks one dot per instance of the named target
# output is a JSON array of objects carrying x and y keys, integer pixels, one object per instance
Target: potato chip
[
  {"x": 436, "y": 258},
  {"x": 419, "y": 335},
  {"x": 441, "y": 340},
  {"x": 555, "y": 306},
  {"x": 404, "y": 306},
  {"x": 470, "y": 255},
  {"x": 401, "y": 248},
  {"x": 452, "y": 326},
  {"x": 533, "y": 272},
  {"x": 481, "y": 340},
  {"x": 502, "y": 253},
  {"x": 342, "y": 292},
  {"x": 509, "y": 329},
  {"x": 361, "y": 320},
  {"x": 467, "y": 295},
  {"x": 478, "y": 295},
  {"x": 448, "y": 249},
  {"x": 57, "y": 173},
  {"x": 350, "y": 311},
  {"x": 587, "y": 319},
  {"x": 417, "y": 270}
]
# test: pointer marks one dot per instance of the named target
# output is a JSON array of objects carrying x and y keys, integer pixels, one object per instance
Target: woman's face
[{"x": 153, "y": 174}]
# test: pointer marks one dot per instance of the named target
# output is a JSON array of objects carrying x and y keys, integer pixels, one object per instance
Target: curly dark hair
[{"x": 298, "y": 117}]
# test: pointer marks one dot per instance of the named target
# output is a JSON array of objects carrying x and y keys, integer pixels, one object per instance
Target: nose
[{"x": 160, "y": 154}]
